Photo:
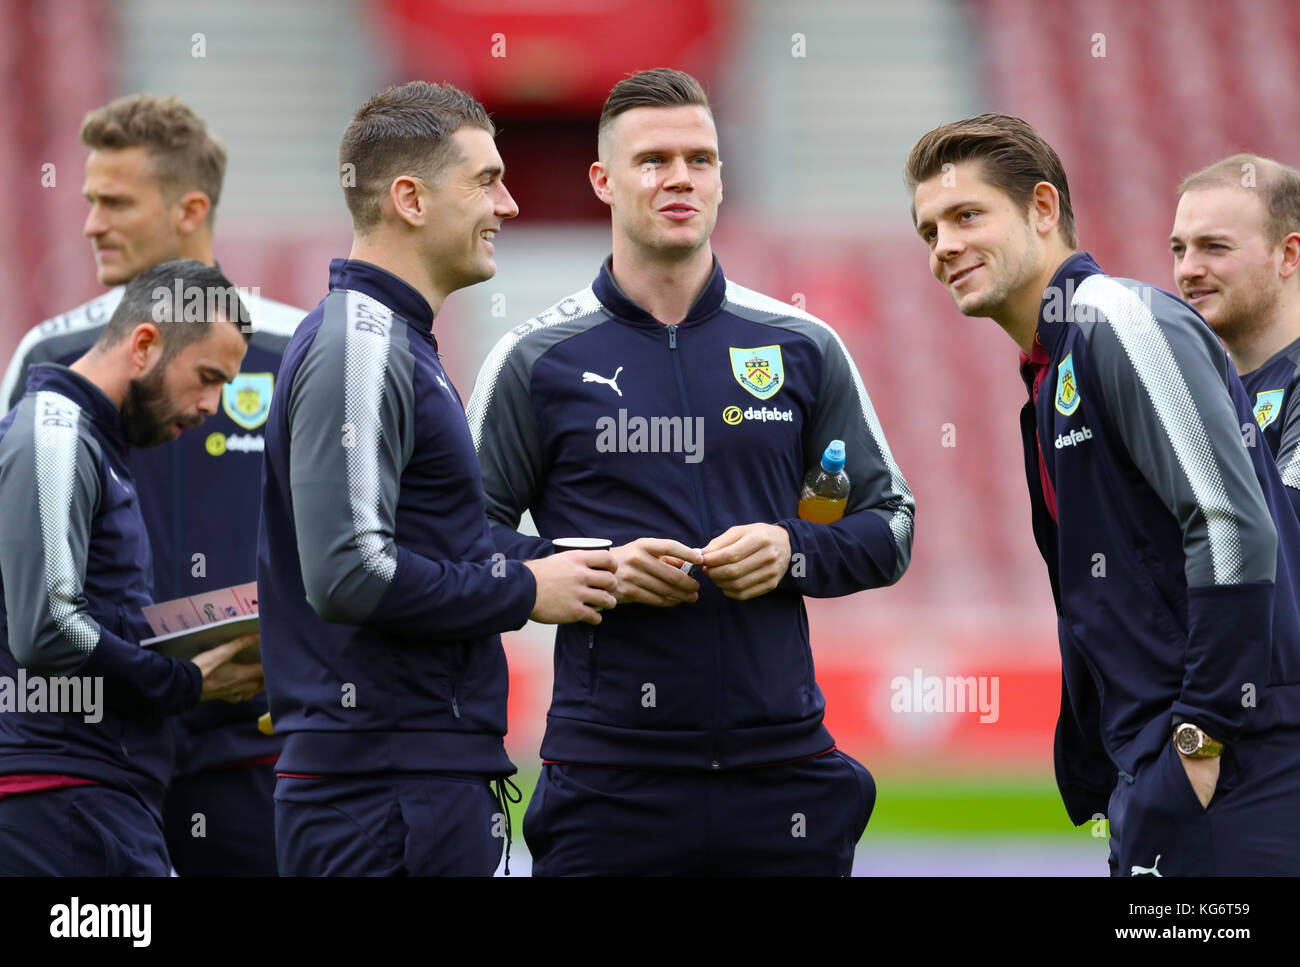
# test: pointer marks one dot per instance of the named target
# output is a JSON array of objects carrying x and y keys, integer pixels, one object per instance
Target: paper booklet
[{"x": 187, "y": 626}]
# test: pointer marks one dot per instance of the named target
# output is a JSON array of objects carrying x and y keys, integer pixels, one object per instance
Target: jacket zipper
[
  {"x": 698, "y": 486},
  {"x": 591, "y": 661},
  {"x": 1101, "y": 701},
  {"x": 686, "y": 410},
  {"x": 1044, "y": 530},
  {"x": 180, "y": 574},
  {"x": 1043, "y": 533},
  {"x": 455, "y": 682}
]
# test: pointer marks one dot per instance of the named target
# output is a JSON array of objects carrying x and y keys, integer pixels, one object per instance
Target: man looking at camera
[{"x": 685, "y": 734}]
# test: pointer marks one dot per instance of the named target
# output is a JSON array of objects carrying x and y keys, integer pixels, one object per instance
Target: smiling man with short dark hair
[{"x": 381, "y": 603}]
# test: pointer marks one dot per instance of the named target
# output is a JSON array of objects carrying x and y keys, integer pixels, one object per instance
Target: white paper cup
[{"x": 582, "y": 544}]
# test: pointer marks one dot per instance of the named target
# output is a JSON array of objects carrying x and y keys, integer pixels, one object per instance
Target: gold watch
[{"x": 1192, "y": 742}]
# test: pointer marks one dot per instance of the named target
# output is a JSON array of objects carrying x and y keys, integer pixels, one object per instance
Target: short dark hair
[
  {"x": 660, "y": 87},
  {"x": 1014, "y": 157},
  {"x": 403, "y": 130},
  {"x": 184, "y": 299},
  {"x": 1278, "y": 186},
  {"x": 185, "y": 154}
]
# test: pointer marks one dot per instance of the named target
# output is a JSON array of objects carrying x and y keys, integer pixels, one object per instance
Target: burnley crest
[
  {"x": 759, "y": 370},
  {"x": 247, "y": 400}
]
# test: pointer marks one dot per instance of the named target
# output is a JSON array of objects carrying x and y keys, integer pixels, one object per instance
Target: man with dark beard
[
  {"x": 1236, "y": 248},
  {"x": 153, "y": 180},
  {"x": 82, "y": 780},
  {"x": 142, "y": 424}
]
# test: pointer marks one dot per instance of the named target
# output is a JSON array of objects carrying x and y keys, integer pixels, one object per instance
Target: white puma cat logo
[
  {"x": 1150, "y": 870},
  {"x": 611, "y": 382}
]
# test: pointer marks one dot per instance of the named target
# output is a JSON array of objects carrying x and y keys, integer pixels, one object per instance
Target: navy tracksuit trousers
[
  {"x": 799, "y": 818},
  {"x": 445, "y": 824},
  {"x": 1157, "y": 822},
  {"x": 80, "y": 831},
  {"x": 222, "y": 822}
]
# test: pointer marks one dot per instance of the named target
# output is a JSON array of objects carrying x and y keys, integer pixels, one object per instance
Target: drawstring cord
[{"x": 503, "y": 786}]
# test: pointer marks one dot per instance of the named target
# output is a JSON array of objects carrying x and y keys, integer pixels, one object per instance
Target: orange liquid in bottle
[{"x": 822, "y": 510}]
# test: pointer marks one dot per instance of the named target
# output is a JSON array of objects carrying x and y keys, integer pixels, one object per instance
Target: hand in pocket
[{"x": 1203, "y": 774}]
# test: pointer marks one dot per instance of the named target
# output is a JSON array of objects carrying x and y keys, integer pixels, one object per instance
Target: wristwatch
[{"x": 1193, "y": 743}]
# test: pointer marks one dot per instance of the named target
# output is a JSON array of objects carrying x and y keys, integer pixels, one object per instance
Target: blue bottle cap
[{"x": 833, "y": 458}]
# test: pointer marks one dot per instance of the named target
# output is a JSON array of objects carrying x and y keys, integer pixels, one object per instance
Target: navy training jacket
[
  {"x": 1274, "y": 393},
  {"x": 1173, "y": 564},
  {"x": 200, "y": 497},
  {"x": 381, "y": 605},
  {"x": 605, "y": 423},
  {"x": 74, "y": 572}
]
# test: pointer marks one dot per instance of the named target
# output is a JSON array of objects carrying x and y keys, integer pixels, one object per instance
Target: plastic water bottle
[{"x": 826, "y": 488}]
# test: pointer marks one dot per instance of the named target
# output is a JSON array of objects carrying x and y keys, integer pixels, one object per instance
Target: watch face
[{"x": 1187, "y": 738}]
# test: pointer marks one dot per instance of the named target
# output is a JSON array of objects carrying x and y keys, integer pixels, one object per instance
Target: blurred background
[{"x": 817, "y": 105}]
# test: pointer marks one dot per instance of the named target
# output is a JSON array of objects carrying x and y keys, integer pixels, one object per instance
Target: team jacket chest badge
[
  {"x": 759, "y": 370},
  {"x": 1268, "y": 406},
  {"x": 1067, "y": 387},
  {"x": 247, "y": 400}
]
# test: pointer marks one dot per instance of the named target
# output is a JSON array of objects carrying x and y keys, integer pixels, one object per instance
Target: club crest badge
[
  {"x": 758, "y": 370},
  {"x": 1268, "y": 407},
  {"x": 1067, "y": 387},
  {"x": 247, "y": 400}
]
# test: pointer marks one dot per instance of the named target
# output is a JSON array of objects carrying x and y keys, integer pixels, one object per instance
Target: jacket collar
[
  {"x": 1054, "y": 314},
  {"x": 398, "y": 294},
  {"x": 1285, "y": 351},
  {"x": 103, "y": 412},
  {"x": 1032, "y": 363},
  {"x": 620, "y": 305}
]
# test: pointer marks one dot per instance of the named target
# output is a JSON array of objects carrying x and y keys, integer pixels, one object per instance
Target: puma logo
[
  {"x": 612, "y": 382},
  {"x": 1147, "y": 870}
]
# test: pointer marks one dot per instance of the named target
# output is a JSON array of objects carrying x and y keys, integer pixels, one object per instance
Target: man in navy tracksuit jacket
[
  {"x": 1236, "y": 248},
  {"x": 199, "y": 496},
  {"x": 381, "y": 603},
  {"x": 685, "y": 735},
  {"x": 200, "y": 499},
  {"x": 82, "y": 781},
  {"x": 1171, "y": 546}
]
